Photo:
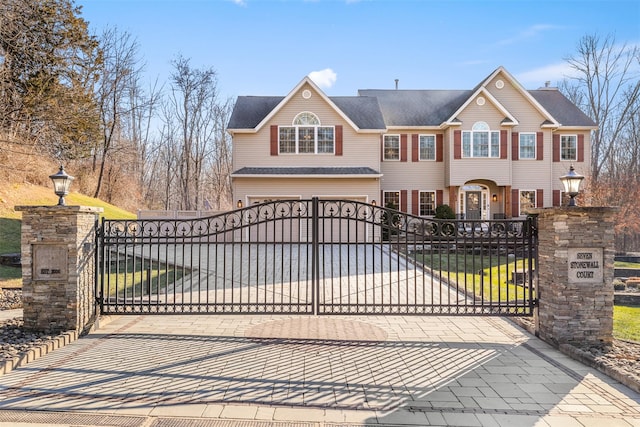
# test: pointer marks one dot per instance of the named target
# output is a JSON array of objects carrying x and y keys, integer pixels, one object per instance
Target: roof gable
[
  {"x": 481, "y": 91},
  {"x": 251, "y": 113}
]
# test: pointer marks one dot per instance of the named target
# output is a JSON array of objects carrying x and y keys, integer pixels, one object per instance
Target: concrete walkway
[{"x": 312, "y": 371}]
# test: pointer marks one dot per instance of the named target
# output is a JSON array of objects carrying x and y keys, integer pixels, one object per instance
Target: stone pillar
[
  {"x": 575, "y": 275},
  {"x": 58, "y": 267}
]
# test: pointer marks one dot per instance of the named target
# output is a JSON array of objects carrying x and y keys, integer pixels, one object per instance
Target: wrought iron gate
[{"x": 317, "y": 257}]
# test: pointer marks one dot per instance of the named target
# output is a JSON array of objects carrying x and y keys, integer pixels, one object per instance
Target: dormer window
[
  {"x": 306, "y": 136},
  {"x": 481, "y": 141}
]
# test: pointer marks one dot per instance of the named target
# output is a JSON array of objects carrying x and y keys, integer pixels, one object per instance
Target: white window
[
  {"x": 427, "y": 147},
  {"x": 427, "y": 203},
  {"x": 391, "y": 147},
  {"x": 481, "y": 141},
  {"x": 527, "y": 200},
  {"x": 568, "y": 147},
  {"x": 392, "y": 199},
  {"x": 527, "y": 145},
  {"x": 306, "y": 136}
]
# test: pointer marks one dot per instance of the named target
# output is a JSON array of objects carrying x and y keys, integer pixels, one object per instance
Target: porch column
[
  {"x": 575, "y": 275},
  {"x": 453, "y": 198},
  {"x": 58, "y": 267}
]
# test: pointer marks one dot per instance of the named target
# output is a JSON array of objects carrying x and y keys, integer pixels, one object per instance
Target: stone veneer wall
[
  {"x": 574, "y": 313},
  {"x": 67, "y": 302}
]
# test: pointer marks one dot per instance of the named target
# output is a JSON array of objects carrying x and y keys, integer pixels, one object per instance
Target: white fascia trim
[
  {"x": 576, "y": 128},
  {"x": 295, "y": 90},
  {"x": 419, "y": 128},
  {"x": 290, "y": 176}
]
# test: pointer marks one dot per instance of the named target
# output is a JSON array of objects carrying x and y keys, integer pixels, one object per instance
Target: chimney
[
  {"x": 397, "y": 84},
  {"x": 547, "y": 83}
]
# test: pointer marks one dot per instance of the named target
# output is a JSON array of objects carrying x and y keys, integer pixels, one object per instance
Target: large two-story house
[{"x": 489, "y": 152}]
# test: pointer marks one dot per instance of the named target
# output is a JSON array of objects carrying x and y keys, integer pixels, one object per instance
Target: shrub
[{"x": 445, "y": 212}]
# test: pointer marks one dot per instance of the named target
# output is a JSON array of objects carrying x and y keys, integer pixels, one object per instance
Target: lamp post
[
  {"x": 61, "y": 184},
  {"x": 571, "y": 182}
]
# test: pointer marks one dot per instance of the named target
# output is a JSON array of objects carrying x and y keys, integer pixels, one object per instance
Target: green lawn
[
  {"x": 29, "y": 195},
  {"x": 626, "y": 323},
  {"x": 135, "y": 278},
  {"x": 487, "y": 277}
]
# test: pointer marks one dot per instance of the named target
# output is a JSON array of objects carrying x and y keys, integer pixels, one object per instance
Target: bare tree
[
  {"x": 190, "y": 115},
  {"x": 606, "y": 86},
  {"x": 119, "y": 81}
]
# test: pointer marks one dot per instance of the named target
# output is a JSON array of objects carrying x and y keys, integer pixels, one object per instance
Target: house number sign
[
  {"x": 585, "y": 265},
  {"x": 50, "y": 262}
]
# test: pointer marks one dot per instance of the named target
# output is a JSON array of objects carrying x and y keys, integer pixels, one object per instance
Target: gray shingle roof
[
  {"x": 298, "y": 171},
  {"x": 249, "y": 111},
  {"x": 563, "y": 110},
  {"x": 417, "y": 107},
  {"x": 375, "y": 109}
]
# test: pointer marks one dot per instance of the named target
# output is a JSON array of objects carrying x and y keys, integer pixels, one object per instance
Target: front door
[{"x": 473, "y": 205}]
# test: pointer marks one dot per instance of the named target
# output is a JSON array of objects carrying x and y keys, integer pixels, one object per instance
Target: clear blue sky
[{"x": 265, "y": 47}]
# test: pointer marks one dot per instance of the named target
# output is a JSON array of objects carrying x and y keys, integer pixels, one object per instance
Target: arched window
[
  {"x": 306, "y": 136},
  {"x": 481, "y": 141},
  {"x": 306, "y": 118}
]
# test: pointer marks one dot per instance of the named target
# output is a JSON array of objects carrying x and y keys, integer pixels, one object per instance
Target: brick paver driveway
[{"x": 315, "y": 371}]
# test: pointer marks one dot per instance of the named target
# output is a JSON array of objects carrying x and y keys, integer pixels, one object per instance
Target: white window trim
[
  {"x": 535, "y": 200},
  {"x": 315, "y": 139},
  {"x": 435, "y": 203},
  {"x": 575, "y": 137},
  {"x": 384, "y": 151},
  {"x": 489, "y": 131},
  {"x": 435, "y": 147},
  {"x": 535, "y": 146},
  {"x": 384, "y": 198}
]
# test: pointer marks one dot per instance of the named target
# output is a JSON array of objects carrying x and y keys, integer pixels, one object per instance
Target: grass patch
[
  {"x": 626, "y": 323},
  {"x": 32, "y": 195},
  {"x": 135, "y": 278},
  {"x": 487, "y": 277},
  {"x": 624, "y": 264}
]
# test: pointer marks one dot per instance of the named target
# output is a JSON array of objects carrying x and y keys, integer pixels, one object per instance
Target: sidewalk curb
[
  {"x": 38, "y": 351},
  {"x": 55, "y": 343}
]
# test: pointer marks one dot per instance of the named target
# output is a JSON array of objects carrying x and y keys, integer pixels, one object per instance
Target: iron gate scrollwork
[{"x": 317, "y": 257}]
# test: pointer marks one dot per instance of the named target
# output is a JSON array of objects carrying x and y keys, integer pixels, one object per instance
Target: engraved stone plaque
[
  {"x": 50, "y": 262},
  {"x": 585, "y": 265}
]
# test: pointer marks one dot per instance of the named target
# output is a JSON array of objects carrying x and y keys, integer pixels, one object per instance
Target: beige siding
[
  {"x": 492, "y": 169},
  {"x": 359, "y": 149},
  {"x": 305, "y": 188},
  {"x": 423, "y": 175}
]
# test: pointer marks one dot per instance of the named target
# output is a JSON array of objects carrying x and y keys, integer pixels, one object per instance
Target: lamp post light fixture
[
  {"x": 571, "y": 182},
  {"x": 61, "y": 184}
]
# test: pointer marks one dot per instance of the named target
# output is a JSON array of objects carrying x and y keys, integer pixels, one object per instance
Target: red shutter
[
  {"x": 439, "y": 197},
  {"x": 515, "y": 202},
  {"x": 414, "y": 147},
  {"x": 581, "y": 148},
  {"x": 415, "y": 202},
  {"x": 274, "y": 140},
  {"x": 403, "y": 147},
  {"x": 539, "y": 146},
  {"x": 556, "y": 198},
  {"x": 338, "y": 140},
  {"x": 515, "y": 146},
  {"x": 439, "y": 147},
  {"x": 382, "y": 148},
  {"x": 503, "y": 144},
  {"x": 382, "y": 199},
  {"x": 403, "y": 199},
  {"x": 556, "y": 147},
  {"x": 539, "y": 198},
  {"x": 457, "y": 144}
]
